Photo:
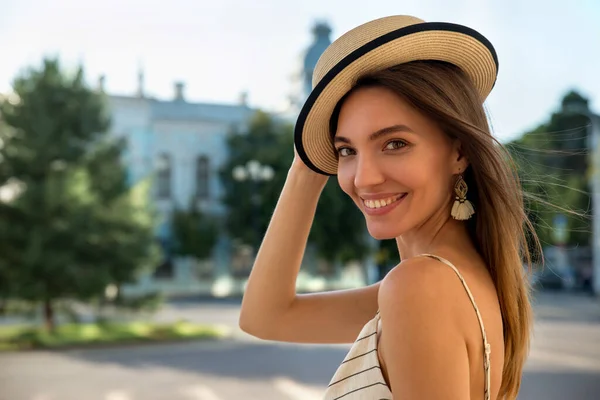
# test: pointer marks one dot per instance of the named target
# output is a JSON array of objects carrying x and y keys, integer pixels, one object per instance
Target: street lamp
[
  {"x": 253, "y": 172},
  {"x": 11, "y": 190}
]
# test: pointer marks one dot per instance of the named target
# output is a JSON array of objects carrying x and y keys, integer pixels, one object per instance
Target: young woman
[{"x": 397, "y": 114}]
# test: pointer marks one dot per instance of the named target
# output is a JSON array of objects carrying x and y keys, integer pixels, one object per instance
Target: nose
[{"x": 368, "y": 173}]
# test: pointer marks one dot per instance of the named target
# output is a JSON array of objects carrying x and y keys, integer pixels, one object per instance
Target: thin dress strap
[{"x": 487, "y": 347}]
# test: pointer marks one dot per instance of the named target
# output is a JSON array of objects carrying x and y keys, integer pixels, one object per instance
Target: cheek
[
  {"x": 345, "y": 176},
  {"x": 433, "y": 191},
  {"x": 408, "y": 173},
  {"x": 425, "y": 180}
]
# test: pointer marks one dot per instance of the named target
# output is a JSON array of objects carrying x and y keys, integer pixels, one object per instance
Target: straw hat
[{"x": 374, "y": 46}]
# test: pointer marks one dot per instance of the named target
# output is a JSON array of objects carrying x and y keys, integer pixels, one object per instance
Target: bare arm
[{"x": 271, "y": 309}]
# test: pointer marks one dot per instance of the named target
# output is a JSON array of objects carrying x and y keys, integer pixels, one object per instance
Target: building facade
[{"x": 182, "y": 145}]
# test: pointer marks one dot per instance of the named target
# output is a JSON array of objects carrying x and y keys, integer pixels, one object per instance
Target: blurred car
[{"x": 554, "y": 278}]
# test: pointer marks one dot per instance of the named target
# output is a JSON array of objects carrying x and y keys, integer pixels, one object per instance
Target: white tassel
[{"x": 462, "y": 209}]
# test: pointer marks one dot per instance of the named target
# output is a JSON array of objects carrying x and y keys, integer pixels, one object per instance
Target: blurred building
[
  {"x": 182, "y": 145},
  {"x": 301, "y": 86}
]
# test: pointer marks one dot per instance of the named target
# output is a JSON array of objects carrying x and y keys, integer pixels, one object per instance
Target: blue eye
[{"x": 394, "y": 144}]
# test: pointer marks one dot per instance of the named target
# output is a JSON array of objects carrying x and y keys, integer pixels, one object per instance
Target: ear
[{"x": 459, "y": 160}]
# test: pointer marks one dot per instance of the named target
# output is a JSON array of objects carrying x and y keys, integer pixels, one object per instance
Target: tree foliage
[
  {"x": 75, "y": 226},
  {"x": 249, "y": 203},
  {"x": 194, "y": 233},
  {"x": 553, "y": 166},
  {"x": 338, "y": 231}
]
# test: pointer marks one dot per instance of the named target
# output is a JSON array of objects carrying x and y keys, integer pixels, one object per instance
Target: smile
[{"x": 382, "y": 206}]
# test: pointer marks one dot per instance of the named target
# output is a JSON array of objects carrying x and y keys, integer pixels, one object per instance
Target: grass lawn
[{"x": 70, "y": 335}]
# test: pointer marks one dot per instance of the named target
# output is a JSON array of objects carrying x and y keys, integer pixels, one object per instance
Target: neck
[{"x": 433, "y": 237}]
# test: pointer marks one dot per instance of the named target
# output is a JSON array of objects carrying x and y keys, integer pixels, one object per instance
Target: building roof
[{"x": 181, "y": 110}]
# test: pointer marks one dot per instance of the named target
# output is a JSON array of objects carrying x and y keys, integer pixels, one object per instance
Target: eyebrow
[{"x": 377, "y": 134}]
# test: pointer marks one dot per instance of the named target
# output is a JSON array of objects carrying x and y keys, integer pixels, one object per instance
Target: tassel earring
[{"x": 462, "y": 208}]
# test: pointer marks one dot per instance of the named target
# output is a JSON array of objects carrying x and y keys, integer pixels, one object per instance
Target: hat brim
[{"x": 440, "y": 41}]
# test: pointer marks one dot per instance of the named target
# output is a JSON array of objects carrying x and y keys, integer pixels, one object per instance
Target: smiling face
[{"x": 396, "y": 164}]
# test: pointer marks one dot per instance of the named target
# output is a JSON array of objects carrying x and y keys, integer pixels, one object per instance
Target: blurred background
[{"x": 143, "y": 146}]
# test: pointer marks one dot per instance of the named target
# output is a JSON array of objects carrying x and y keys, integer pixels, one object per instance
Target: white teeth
[{"x": 380, "y": 203}]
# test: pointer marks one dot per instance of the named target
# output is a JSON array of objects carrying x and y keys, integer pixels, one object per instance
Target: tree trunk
[{"x": 49, "y": 315}]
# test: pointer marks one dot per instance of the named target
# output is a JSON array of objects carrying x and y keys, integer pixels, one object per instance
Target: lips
[
  {"x": 380, "y": 203},
  {"x": 383, "y": 205}
]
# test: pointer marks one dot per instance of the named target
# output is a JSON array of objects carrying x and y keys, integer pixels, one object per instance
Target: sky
[{"x": 221, "y": 48}]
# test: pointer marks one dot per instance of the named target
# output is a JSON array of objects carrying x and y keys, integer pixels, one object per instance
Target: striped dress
[{"x": 359, "y": 376}]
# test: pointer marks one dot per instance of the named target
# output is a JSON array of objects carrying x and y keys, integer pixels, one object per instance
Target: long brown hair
[{"x": 500, "y": 229}]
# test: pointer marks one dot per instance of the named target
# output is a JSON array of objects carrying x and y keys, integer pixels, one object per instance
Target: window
[
  {"x": 202, "y": 177},
  {"x": 164, "y": 171}
]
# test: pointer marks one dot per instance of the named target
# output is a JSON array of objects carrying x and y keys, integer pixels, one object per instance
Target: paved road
[{"x": 564, "y": 363}]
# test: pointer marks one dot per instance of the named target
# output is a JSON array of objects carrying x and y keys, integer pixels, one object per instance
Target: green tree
[
  {"x": 553, "y": 166},
  {"x": 338, "y": 231},
  {"x": 250, "y": 204},
  {"x": 75, "y": 225},
  {"x": 387, "y": 256},
  {"x": 194, "y": 233}
]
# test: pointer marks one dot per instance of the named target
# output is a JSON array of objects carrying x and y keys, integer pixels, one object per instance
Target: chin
[{"x": 380, "y": 232}]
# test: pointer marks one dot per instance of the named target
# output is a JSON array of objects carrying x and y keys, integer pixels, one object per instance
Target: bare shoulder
[
  {"x": 421, "y": 302},
  {"x": 422, "y": 281}
]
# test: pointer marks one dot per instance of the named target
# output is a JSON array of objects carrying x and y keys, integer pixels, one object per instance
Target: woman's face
[{"x": 396, "y": 164}]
